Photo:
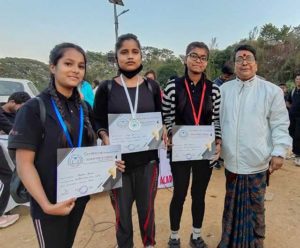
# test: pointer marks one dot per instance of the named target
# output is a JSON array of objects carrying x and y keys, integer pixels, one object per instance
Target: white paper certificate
[
  {"x": 146, "y": 137},
  {"x": 193, "y": 143},
  {"x": 87, "y": 170}
]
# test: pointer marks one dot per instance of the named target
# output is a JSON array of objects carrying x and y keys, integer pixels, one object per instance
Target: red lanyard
[{"x": 196, "y": 118}]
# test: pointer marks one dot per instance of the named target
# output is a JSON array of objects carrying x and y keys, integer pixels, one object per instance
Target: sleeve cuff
[{"x": 279, "y": 151}]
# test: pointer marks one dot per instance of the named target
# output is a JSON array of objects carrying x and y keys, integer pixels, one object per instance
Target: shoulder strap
[
  {"x": 153, "y": 92},
  {"x": 85, "y": 106},
  {"x": 293, "y": 91},
  {"x": 149, "y": 85},
  {"x": 42, "y": 112},
  {"x": 109, "y": 86}
]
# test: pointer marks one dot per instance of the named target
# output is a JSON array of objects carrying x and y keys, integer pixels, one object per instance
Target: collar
[
  {"x": 64, "y": 98},
  {"x": 247, "y": 83},
  {"x": 202, "y": 79}
]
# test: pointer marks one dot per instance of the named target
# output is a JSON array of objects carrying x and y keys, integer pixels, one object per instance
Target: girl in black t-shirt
[
  {"x": 139, "y": 181},
  {"x": 36, "y": 145}
]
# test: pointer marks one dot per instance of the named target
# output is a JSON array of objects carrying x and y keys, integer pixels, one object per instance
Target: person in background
[
  {"x": 285, "y": 91},
  {"x": 95, "y": 85},
  {"x": 8, "y": 110},
  {"x": 151, "y": 75},
  {"x": 14, "y": 102},
  {"x": 5, "y": 178},
  {"x": 86, "y": 92},
  {"x": 294, "y": 111},
  {"x": 227, "y": 74},
  {"x": 5, "y": 124},
  {"x": 255, "y": 141}
]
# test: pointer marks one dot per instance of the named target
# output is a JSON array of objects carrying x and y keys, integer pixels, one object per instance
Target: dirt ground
[{"x": 97, "y": 226}]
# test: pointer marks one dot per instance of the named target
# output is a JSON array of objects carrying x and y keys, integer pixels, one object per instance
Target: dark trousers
[
  {"x": 140, "y": 186},
  {"x": 60, "y": 231},
  {"x": 5, "y": 177},
  {"x": 201, "y": 173},
  {"x": 294, "y": 130}
]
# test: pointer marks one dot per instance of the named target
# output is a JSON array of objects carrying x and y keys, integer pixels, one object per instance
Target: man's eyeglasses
[
  {"x": 240, "y": 60},
  {"x": 195, "y": 57}
]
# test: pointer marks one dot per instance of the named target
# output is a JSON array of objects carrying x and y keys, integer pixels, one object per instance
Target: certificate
[
  {"x": 135, "y": 135},
  {"x": 193, "y": 143},
  {"x": 87, "y": 170}
]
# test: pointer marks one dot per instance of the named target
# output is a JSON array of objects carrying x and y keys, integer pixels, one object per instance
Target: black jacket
[
  {"x": 29, "y": 133},
  {"x": 5, "y": 124}
]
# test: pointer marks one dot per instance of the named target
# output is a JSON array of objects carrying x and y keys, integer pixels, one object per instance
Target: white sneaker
[
  {"x": 7, "y": 220},
  {"x": 297, "y": 161}
]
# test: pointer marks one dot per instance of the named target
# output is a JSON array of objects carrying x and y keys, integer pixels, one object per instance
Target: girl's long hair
[{"x": 55, "y": 55}]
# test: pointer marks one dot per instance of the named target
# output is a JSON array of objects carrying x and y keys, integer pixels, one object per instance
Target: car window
[
  {"x": 7, "y": 88},
  {"x": 33, "y": 88}
]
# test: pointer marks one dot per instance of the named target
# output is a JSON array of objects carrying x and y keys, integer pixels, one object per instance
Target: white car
[{"x": 11, "y": 85}]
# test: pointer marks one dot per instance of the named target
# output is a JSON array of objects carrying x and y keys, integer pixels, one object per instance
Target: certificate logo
[
  {"x": 131, "y": 147},
  {"x": 188, "y": 156},
  {"x": 83, "y": 189},
  {"x": 122, "y": 123},
  {"x": 183, "y": 133},
  {"x": 75, "y": 160}
]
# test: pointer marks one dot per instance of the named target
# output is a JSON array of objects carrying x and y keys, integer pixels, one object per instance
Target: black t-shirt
[
  {"x": 10, "y": 116},
  {"x": 29, "y": 133},
  {"x": 294, "y": 100},
  {"x": 5, "y": 124},
  {"x": 115, "y": 102},
  {"x": 184, "y": 111}
]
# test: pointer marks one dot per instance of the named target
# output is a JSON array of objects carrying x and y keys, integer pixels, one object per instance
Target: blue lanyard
[{"x": 64, "y": 127}]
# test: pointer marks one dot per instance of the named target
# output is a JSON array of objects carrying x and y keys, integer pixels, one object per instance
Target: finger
[
  {"x": 122, "y": 166},
  {"x": 271, "y": 169},
  {"x": 214, "y": 158},
  {"x": 122, "y": 169},
  {"x": 72, "y": 205},
  {"x": 68, "y": 202}
]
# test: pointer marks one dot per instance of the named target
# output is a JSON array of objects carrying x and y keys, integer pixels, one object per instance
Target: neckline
[{"x": 128, "y": 87}]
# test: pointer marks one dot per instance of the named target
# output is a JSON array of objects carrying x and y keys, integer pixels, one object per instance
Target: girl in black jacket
[{"x": 36, "y": 145}]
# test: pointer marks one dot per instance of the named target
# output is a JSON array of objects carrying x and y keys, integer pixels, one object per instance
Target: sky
[{"x": 31, "y": 28}]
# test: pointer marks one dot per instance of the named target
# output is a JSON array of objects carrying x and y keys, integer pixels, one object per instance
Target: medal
[{"x": 134, "y": 124}]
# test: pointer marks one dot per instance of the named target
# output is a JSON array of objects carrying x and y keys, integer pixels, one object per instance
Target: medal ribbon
[
  {"x": 64, "y": 127},
  {"x": 196, "y": 118},
  {"x": 132, "y": 110}
]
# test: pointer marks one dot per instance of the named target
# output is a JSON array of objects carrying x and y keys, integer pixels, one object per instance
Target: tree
[
  {"x": 253, "y": 33},
  {"x": 164, "y": 73},
  {"x": 269, "y": 33}
]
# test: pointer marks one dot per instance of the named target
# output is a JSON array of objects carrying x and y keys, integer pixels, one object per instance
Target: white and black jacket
[{"x": 176, "y": 106}]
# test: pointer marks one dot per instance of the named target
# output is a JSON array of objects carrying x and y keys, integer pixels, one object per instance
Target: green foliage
[
  {"x": 29, "y": 69},
  {"x": 99, "y": 67},
  {"x": 166, "y": 71},
  {"x": 278, "y": 58}
]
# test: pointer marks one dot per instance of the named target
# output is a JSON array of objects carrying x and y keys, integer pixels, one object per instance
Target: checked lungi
[{"x": 243, "y": 224}]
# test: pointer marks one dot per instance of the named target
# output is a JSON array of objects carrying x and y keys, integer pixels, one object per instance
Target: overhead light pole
[{"x": 116, "y": 16}]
